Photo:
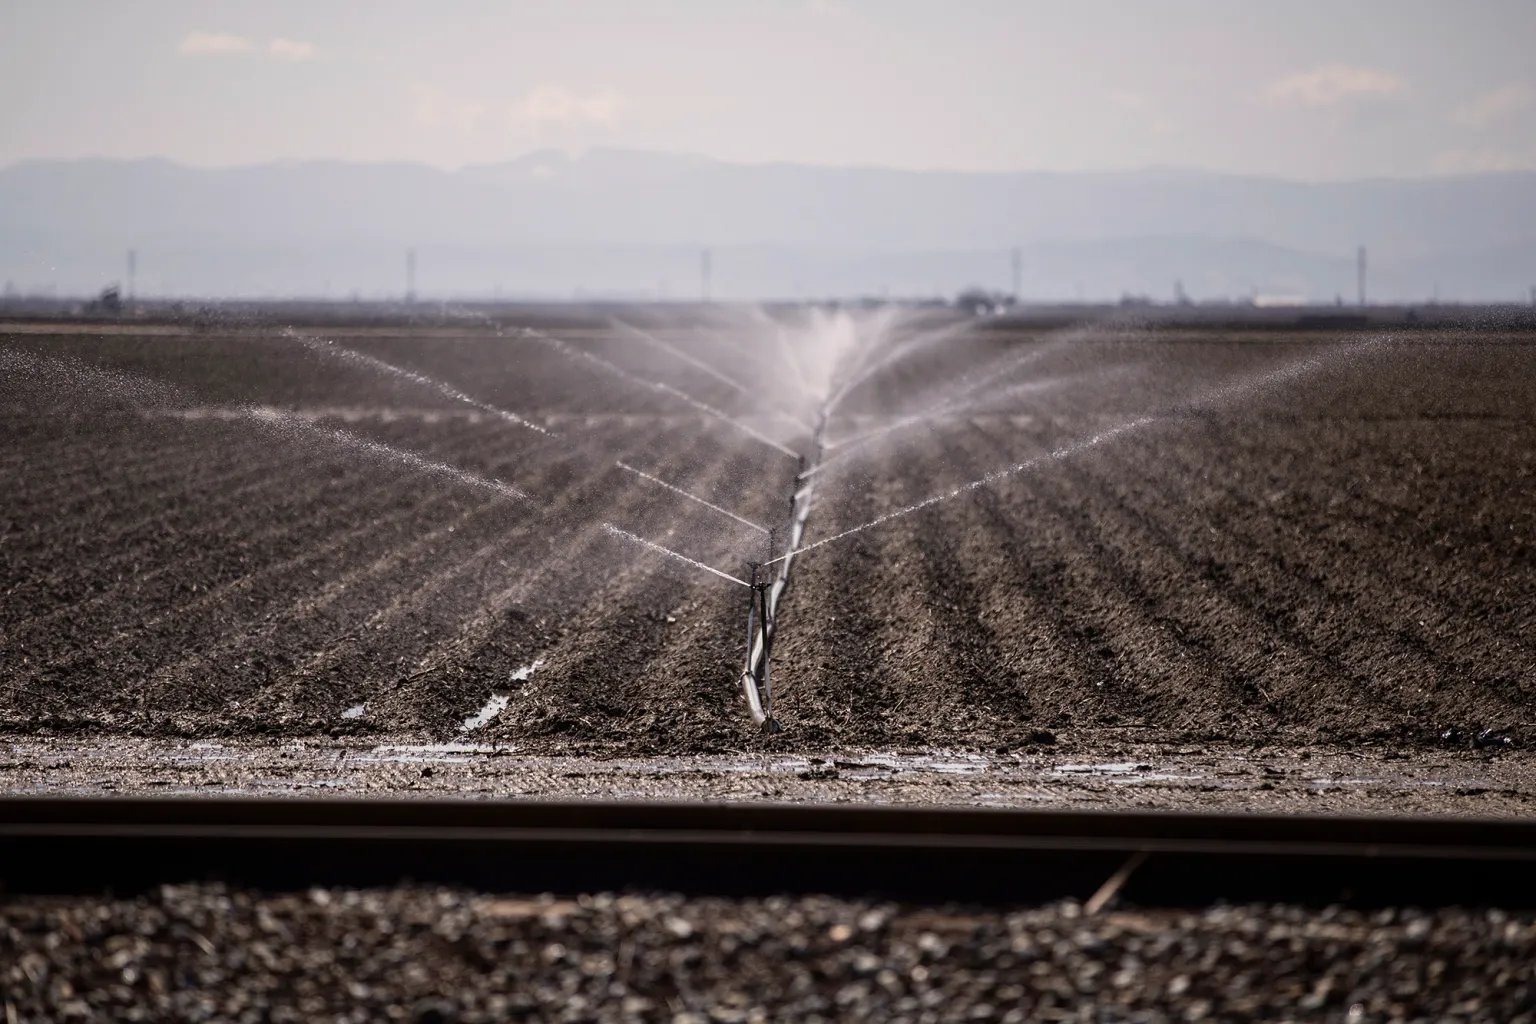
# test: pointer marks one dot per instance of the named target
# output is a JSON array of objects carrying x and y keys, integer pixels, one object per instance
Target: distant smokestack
[
  {"x": 410, "y": 275},
  {"x": 133, "y": 272},
  {"x": 704, "y": 274},
  {"x": 1360, "y": 272}
]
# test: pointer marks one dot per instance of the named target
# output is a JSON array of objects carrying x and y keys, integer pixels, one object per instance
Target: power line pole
[
  {"x": 704, "y": 274},
  {"x": 1360, "y": 273},
  {"x": 410, "y": 275}
]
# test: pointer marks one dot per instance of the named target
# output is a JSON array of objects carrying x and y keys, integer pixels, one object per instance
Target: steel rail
[{"x": 87, "y": 845}]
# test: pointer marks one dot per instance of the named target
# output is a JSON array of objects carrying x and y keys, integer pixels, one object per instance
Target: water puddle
[
  {"x": 475, "y": 766},
  {"x": 493, "y": 707},
  {"x": 422, "y": 753},
  {"x": 1122, "y": 771},
  {"x": 499, "y": 701},
  {"x": 885, "y": 765}
]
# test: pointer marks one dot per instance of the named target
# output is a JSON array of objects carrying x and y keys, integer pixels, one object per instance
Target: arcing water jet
[{"x": 347, "y": 355}]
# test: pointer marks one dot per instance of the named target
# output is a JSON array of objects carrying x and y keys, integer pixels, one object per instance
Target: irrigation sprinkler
[
  {"x": 765, "y": 583},
  {"x": 767, "y": 579},
  {"x": 756, "y": 677},
  {"x": 572, "y": 352}
]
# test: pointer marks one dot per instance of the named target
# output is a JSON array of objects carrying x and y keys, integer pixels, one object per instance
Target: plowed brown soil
[{"x": 1311, "y": 537}]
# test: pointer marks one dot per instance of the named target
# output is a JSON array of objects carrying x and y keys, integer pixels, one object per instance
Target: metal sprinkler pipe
[
  {"x": 748, "y": 677},
  {"x": 770, "y": 724},
  {"x": 762, "y": 597},
  {"x": 756, "y": 677}
]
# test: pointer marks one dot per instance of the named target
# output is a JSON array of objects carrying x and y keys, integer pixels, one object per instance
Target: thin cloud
[
  {"x": 1134, "y": 102},
  {"x": 1505, "y": 101},
  {"x": 203, "y": 44},
  {"x": 213, "y": 42},
  {"x": 553, "y": 105},
  {"x": 290, "y": 49},
  {"x": 1333, "y": 85},
  {"x": 828, "y": 9},
  {"x": 435, "y": 108},
  {"x": 1141, "y": 108}
]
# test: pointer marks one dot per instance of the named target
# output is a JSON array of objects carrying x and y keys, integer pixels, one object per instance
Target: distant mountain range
[{"x": 632, "y": 224}]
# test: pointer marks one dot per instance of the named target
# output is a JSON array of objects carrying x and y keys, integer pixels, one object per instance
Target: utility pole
[
  {"x": 1360, "y": 273},
  {"x": 1018, "y": 274},
  {"x": 704, "y": 274},
  {"x": 410, "y": 275},
  {"x": 133, "y": 272}
]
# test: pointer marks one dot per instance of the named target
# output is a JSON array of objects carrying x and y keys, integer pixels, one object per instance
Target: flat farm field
[{"x": 1270, "y": 537}]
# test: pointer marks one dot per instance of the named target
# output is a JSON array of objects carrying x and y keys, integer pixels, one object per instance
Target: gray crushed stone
[{"x": 205, "y": 953}]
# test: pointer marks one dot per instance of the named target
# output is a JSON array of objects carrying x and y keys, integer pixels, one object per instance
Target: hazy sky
[{"x": 1301, "y": 88}]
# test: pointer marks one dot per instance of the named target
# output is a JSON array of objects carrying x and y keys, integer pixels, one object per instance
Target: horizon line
[{"x": 575, "y": 156}]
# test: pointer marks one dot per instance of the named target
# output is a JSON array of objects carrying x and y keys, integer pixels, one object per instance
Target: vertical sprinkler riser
[
  {"x": 768, "y": 631},
  {"x": 756, "y": 681}
]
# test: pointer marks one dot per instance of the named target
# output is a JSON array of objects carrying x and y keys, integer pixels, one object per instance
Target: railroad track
[{"x": 86, "y": 845}]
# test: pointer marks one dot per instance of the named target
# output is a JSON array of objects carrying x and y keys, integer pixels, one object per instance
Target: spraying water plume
[
  {"x": 57, "y": 373},
  {"x": 1216, "y": 397},
  {"x": 679, "y": 354},
  {"x": 332, "y": 350},
  {"x": 691, "y": 497},
  {"x": 668, "y": 552},
  {"x": 991, "y": 478},
  {"x": 28, "y": 372},
  {"x": 303, "y": 428},
  {"x": 846, "y": 448},
  {"x": 572, "y": 352}
]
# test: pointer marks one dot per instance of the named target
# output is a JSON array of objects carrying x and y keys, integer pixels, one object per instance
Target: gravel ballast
[{"x": 415, "y": 954}]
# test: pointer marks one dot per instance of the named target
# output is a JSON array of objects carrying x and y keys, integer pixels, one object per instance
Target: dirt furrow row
[
  {"x": 102, "y": 564},
  {"x": 1141, "y": 659},
  {"x": 1376, "y": 630},
  {"x": 602, "y": 676},
  {"x": 216, "y": 552},
  {"x": 423, "y": 652}
]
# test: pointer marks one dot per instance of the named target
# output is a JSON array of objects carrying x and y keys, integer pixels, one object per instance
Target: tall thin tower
[
  {"x": 410, "y": 275},
  {"x": 133, "y": 272},
  {"x": 1018, "y": 274},
  {"x": 1360, "y": 273},
  {"x": 704, "y": 274}
]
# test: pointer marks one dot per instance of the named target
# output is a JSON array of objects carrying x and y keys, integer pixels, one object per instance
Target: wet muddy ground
[
  {"x": 1291, "y": 540},
  {"x": 1102, "y": 775}
]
